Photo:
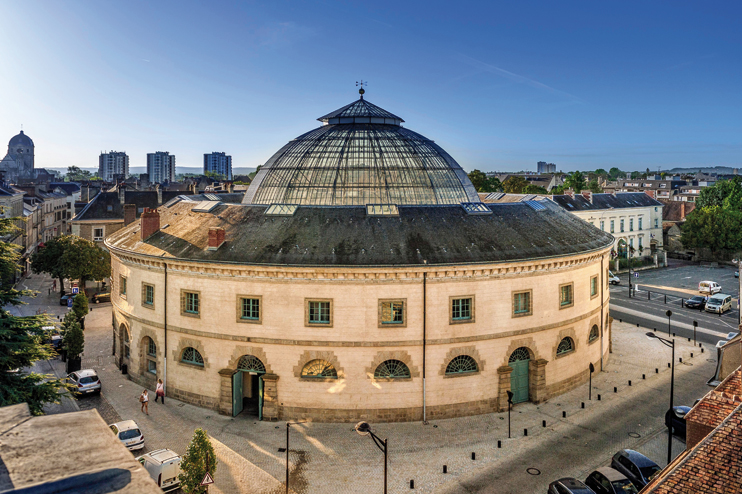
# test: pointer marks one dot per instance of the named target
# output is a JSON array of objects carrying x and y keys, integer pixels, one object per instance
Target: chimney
[
  {"x": 216, "y": 238},
  {"x": 682, "y": 210},
  {"x": 588, "y": 194},
  {"x": 651, "y": 193},
  {"x": 150, "y": 223},
  {"x": 130, "y": 214},
  {"x": 570, "y": 193},
  {"x": 122, "y": 194},
  {"x": 159, "y": 194}
]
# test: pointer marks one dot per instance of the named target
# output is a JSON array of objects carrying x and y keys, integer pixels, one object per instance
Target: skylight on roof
[
  {"x": 281, "y": 210},
  {"x": 382, "y": 210},
  {"x": 494, "y": 196},
  {"x": 537, "y": 206},
  {"x": 205, "y": 206},
  {"x": 476, "y": 208},
  {"x": 212, "y": 197}
]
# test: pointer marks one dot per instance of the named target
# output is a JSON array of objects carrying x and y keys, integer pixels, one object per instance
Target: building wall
[
  {"x": 356, "y": 342},
  {"x": 87, "y": 229},
  {"x": 651, "y": 216}
]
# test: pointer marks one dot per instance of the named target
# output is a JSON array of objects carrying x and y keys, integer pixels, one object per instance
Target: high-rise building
[
  {"x": 161, "y": 167},
  {"x": 218, "y": 163},
  {"x": 544, "y": 167},
  {"x": 113, "y": 163}
]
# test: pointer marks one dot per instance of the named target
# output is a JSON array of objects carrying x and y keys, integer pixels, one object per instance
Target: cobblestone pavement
[{"x": 331, "y": 458}]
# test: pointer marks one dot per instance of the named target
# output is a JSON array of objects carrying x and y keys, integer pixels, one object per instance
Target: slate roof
[
  {"x": 606, "y": 201},
  {"x": 347, "y": 236},
  {"x": 714, "y": 465},
  {"x": 69, "y": 187}
]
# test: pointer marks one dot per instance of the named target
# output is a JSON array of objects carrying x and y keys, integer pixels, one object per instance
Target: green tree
[
  {"x": 514, "y": 184},
  {"x": 534, "y": 189},
  {"x": 48, "y": 259},
  {"x": 85, "y": 260},
  {"x": 594, "y": 187},
  {"x": 714, "y": 228},
  {"x": 575, "y": 181},
  {"x": 614, "y": 172},
  {"x": 22, "y": 340},
  {"x": 725, "y": 193},
  {"x": 480, "y": 181},
  {"x": 198, "y": 460},
  {"x": 73, "y": 340},
  {"x": 80, "y": 305},
  {"x": 215, "y": 175},
  {"x": 601, "y": 172},
  {"x": 558, "y": 190},
  {"x": 75, "y": 174}
]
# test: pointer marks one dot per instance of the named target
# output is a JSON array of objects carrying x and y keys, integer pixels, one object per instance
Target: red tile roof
[{"x": 718, "y": 403}]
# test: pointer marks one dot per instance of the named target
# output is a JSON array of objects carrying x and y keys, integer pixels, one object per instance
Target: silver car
[{"x": 87, "y": 382}]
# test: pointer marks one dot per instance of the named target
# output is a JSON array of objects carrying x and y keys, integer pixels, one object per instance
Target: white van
[
  {"x": 710, "y": 287},
  {"x": 719, "y": 303},
  {"x": 613, "y": 279},
  {"x": 163, "y": 466}
]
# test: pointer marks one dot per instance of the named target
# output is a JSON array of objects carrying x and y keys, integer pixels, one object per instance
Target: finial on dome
[{"x": 361, "y": 84}]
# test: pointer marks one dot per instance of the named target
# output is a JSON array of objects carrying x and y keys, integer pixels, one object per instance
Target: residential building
[
  {"x": 688, "y": 193},
  {"x": 18, "y": 163},
  {"x": 113, "y": 163},
  {"x": 673, "y": 217},
  {"x": 544, "y": 167},
  {"x": 53, "y": 207},
  {"x": 161, "y": 167},
  {"x": 72, "y": 191},
  {"x": 657, "y": 189},
  {"x": 218, "y": 163}
]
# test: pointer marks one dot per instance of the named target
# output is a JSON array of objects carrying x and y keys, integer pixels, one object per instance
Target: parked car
[
  {"x": 163, "y": 466},
  {"x": 129, "y": 434},
  {"x": 608, "y": 480},
  {"x": 86, "y": 380},
  {"x": 729, "y": 336},
  {"x": 101, "y": 297},
  {"x": 719, "y": 303},
  {"x": 63, "y": 299},
  {"x": 675, "y": 420},
  {"x": 697, "y": 302},
  {"x": 568, "y": 485},
  {"x": 710, "y": 287},
  {"x": 638, "y": 468},
  {"x": 613, "y": 279}
]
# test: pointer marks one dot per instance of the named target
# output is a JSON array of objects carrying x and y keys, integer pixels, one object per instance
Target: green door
[
  {"x": 519, "y": 377},
  {"x": 236, "y": 393},
  {"x": 260, "y": 398}
]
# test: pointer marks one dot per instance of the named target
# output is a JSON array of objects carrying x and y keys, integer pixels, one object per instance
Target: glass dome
[{"x": 361, "y": 155}]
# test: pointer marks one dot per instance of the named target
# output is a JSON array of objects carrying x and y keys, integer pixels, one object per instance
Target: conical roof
[{"x": 360, "y": 108}]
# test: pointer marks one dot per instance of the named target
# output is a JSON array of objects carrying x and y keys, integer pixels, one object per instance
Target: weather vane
[{"x": 360, "y": 84}]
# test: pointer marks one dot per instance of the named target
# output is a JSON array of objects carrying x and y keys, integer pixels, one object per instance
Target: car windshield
[
  {"x": 130, "y": 434},
  {"x": 650, "y": 472},
  {"x": 88, "y": 379},
  {"x": 698, "y": 299},
  {"x": 624, "y": 486}
]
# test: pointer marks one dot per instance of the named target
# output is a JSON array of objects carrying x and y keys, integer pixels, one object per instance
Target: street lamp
[
  {"x": 288, "y": 426},
  {"x": 669, "y": 316},
  {"x": 695, "y": 325},
  {"x": 364, "y": 429},
  {"x": 671, "y": 344},
  {"x": 590, "y": 393},
  {"x": 510, "y": 405}
]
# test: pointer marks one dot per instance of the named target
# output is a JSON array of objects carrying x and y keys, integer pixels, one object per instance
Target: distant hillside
[
  {"x": 135, "y": 170},
  {"x": 722, "y": 170}
]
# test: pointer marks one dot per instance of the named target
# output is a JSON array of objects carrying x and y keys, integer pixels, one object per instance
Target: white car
[
  {"x": 163, "y": 466},
  {"x": 709, "y": 287},
  {"x": 129, "y": 434},
  {"x": 719, "y": 303},
  {"x": 613, "y": 279}
]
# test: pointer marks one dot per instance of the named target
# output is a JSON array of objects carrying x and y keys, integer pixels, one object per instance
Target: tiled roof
[
  {"x": 673, "y": 210},
  {"x": 719, "y": 402}
]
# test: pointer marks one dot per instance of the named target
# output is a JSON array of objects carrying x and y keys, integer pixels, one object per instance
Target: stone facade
[{"x": 353, "y": 343}]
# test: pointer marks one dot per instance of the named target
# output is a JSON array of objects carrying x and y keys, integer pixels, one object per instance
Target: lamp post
[
  {"x": 671, "y": 344},
  {"x": 364, "y": 429},
  {"x": 590, "y": 392},
  {"x": 695, "y": 325},
  {"x": 669, "y": 316},
  {"x": 510, "y": 405},
  {"x": 629, "y": 255},
  {"x": 288, "y": 426}
]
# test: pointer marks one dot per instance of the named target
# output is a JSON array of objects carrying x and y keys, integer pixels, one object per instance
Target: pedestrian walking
[
  {"x": 54, "y": 285},
  {"x": 160, "y": 391},
  {"x": 144, "y": 400}
]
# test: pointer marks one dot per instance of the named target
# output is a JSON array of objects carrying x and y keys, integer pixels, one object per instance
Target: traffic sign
[
  {"x": 207, "y": 479},
  {"x": 75, "y": 289},
  {"x": 69, "y": 302}
]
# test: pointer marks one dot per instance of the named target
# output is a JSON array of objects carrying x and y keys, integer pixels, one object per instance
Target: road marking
[{"x": 663, "y": 319}]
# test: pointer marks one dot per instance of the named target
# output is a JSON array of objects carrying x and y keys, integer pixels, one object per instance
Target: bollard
[
  {"x": 673, "y": 335},
  {"x": 655, "y": 330},
  {"x": 412, "y": 484},
  {"x": 644, "y": 376},
  {"x": 691, "y": 354},
  {"x": 543, "y": 423},
  {"x": 629, "y": 382},
  {"x": 615, "y": 389},
  {"x": 637, "y": 325},
  {"x": 499, "y": 444},
  {"x": 525, "y": 432},
  {"x": 665, "y": 298},
  {"x": 583, "y": 404},
  {"x": 648, "y": 295},
  {"x": 473, "y": 456},
  {"x": 656, "y": 371},
  {"x": 620, "y": 320},
  {"x": 445, "y": 468},
  {"x": 680, "y": 360},
  {"x": 688, "y": 340},
  {"x": 668, "y": 365},
  {"x": 564, "y": 414},
  {"x": 682, "y": 302},
  {"x": 598, "y": 397}
]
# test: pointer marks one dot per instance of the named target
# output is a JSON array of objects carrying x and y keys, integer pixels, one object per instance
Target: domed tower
[{"x": 21, "y": 150}]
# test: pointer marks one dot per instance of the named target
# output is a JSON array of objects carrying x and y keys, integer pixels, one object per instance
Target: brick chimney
[
  {"x": 216, "y": 238},
  {"x": 651, "y": 193},
  {"x": 570, "y": 193},
  {"x": 588, "y": 194},
  {"x": 130, "y": 214},
  {"x": 150, "y": 223},
  {"x": 682, "y": 210}
]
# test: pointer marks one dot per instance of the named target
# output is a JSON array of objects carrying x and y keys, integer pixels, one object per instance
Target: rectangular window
[
  {"x": 622, "y": 225},
  {"x": 152, "y": 366},
  {"x": 640, "y": 243},
  {"x": 462, "y": 309},
  {"x": 190, "y": 303},
  {"x": 151, "y": 348},
  {"x": 566, "y": 295},
  {"x": 613, "y": 226},
  {"x": 522, "y": 304},
  {"x": 122, "y": 286},
  {"x": 250, "y": 308},
  {"x": 318, "y": 312},
  {"x": 98, "y": 234},
  {"x": 392, "y": 312},
  {"x": 656, "y": 225},
  {"x": 148, "y": 295},
  {"x": 640, "y": 224},
  {"x": 631, "y": 224},
  {"x": 594, "y": 286},
  {"x": 602, "y": 225}
]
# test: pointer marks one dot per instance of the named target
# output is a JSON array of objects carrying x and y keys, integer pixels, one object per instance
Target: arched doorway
[
  {"x": 622, "y": 248},
  {"x": 124, "y": 346},
  {"x": 518, "y": 361},
  {"x": 247, "y": 387}
]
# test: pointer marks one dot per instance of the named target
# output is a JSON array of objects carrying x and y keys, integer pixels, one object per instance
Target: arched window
[
  {"x": 250, "y": 363},
  {"x": 127, "y": 346},
  {"x": 319, "y": 369},
  {"x": 191, "y": 356},
  {"x": 520, "y": 354},
  {"x": 151, "y": 347},
  {"x": 461, "y": 365},
  {"x": 392, "y": 369},
  {"x": 565, "y": 346},
  {"x": 594, "y": 333}
]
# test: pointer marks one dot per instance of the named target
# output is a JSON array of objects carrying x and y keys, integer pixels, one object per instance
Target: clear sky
[{"x": 499, "y": 85}]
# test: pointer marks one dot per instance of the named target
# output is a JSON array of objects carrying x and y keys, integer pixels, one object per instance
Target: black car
[
  {"x": 607, "y": 480},
  {"x": 568, "y": 485},
  {"x": 63, "y": 299},
  {"x": 638, "y": 468},
  {"x": 675, "y": 420},
  {"x": 697, "y": 302},
  {"x": 101, "y": 297}
]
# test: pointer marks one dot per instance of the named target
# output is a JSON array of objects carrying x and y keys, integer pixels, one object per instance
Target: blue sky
[{"x": 499, "y": 85}]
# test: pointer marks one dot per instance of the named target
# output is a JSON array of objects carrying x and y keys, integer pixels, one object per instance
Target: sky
[{"x": 499, "y": 85}]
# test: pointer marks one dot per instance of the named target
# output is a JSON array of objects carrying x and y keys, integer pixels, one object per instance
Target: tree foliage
[
  {"x": 22, "y": 341},
  {"x": 716, "y": 222},
  {"x": 73, "y": 340},
  {"x": 75, "y": 174},
  {"x": 483, "y": 183},
  {"x": 514, "y": 184},
  {"x": 594, "y": 187},
  {"x": 80, "y": 305},
  {"x": 198, "y": 460},
  {"x": 534, "y": 189},
  {"x": 576, "y": 181},
  {"x": 73, "y": 257},
  {"x": 614, "y": 172}
]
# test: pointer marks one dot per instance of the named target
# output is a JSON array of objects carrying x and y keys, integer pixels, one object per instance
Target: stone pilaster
[
  {"x": 270, "y": 397},
  {"x": 503, "y": 374},
  {"x": 225, "y": 391},
  {"x": 537, "y": 380}
]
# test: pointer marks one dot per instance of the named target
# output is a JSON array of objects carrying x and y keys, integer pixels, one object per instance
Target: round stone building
[{"x": 361, "y": 277}]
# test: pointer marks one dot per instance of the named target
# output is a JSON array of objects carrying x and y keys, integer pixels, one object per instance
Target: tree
[
  {"x": 215, "y": 175},
  {"x": 601, "y": 172},
  {"x": 75, "y": 174},
  {"x": 480, "y": 181},
  {"x": 22, "y": 341},
  {"x": 514, "y": 184},
  {"x": 198, "y": 460},
  {"x": 594, "y": 187},
  {"x": 575, "y": 181},
  {"x": 73, "y": 340},
  {"x": 80, "y": 306},
  {"x": 48, "y": 259},
  {"x": 534, "y": 189},
  {"x": 614, "y": 172},
  {"x": 714, "y": 228},
  {"x": 85, "y": 260}
]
